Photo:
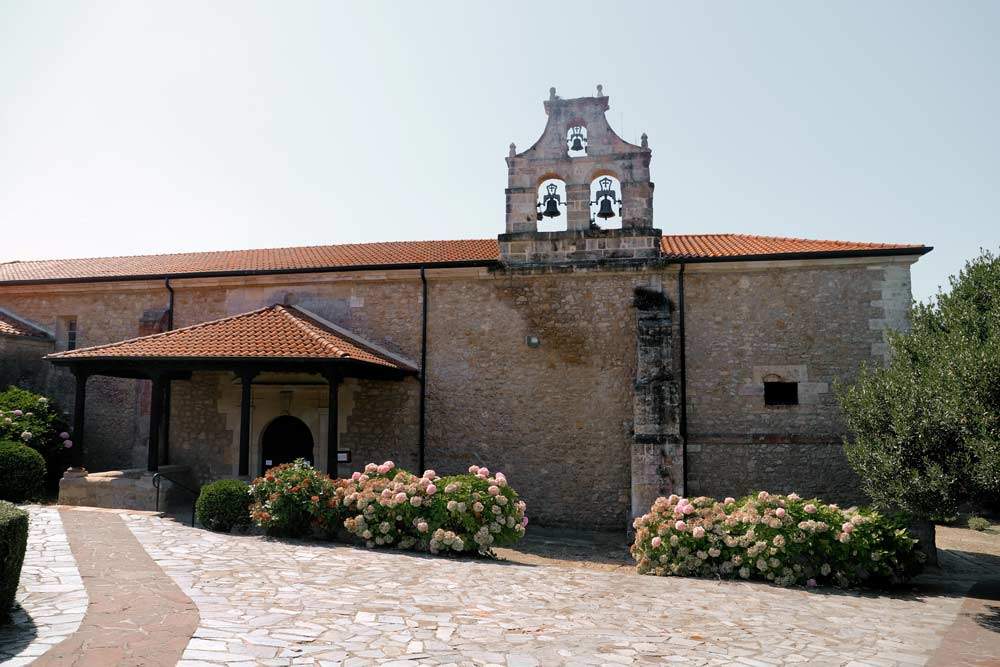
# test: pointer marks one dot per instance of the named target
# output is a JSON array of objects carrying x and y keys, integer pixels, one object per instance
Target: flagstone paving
[
  {"x": 281, "y": 602},
  {"x": 51, "y": 594},
  {"x": 242, "y": 600}
]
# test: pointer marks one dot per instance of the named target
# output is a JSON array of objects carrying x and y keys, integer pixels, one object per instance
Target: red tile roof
[
  {"x": 13, "y": 326},
  {"x": 682, "y": 247},
  {"x": 737, "y": 246},
  {"x": 275, "y": 332}
]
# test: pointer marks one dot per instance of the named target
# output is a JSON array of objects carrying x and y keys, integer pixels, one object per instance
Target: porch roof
[{"x": 276, "y": 337}]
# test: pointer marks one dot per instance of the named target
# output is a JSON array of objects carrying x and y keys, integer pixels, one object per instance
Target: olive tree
[{"x": 925, "y": 428}]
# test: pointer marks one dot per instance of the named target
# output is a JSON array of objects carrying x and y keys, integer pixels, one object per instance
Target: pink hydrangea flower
[
  {"x": 698, "y": 532},
  {"x": 780, "y": 512},
  {"x": 680, "y": 525},
  {"x": 422, "y": 526},
  {"x": 524, "y": 522},
  {"x": 430, "y": 474},
  {"x": 501, "y": 479},
  {"x": 67, "y": 443},
  {"x": 493, "y": 490},
  {"x": 810, "y": 509},
  {"x": 687, "y": 509},
  {"x": 484, "y": 472},
  {"x": 656, "y": 542},
  {"x": 383, "y": 469},
  {"x": 355, "y": 476},
  {"x": 431, "y": 489},
  {"x": 64, "y": 435},
  {"x": 729, "y": 500},
  {"x": 811, "y": 583},
  {"x": 848, "y": 527},
  {"x": 763, "y": 495},
  {"x": 17, "y": 413},
  {"x": 474, "y": 470}
]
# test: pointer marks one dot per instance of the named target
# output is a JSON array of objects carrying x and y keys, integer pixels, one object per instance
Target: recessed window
[
  {"x": 781, "y": 393},
  {"x": 69, "y": 327}
]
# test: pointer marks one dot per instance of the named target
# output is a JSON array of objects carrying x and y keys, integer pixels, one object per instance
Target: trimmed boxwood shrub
[
  {"x": 13, "y": 543},
  {"x": 22, "y": 472},
  {"x": 783, "y": 539},
  {"x": 223, "y": 505},
  {"x": 386, "y": 506}
]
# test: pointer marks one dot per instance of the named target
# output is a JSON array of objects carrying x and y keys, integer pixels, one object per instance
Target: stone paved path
[
  {"x": 137, "y": 615},
  {"x": 51, "y": 594},
  {"x": 281, "y": 603}
]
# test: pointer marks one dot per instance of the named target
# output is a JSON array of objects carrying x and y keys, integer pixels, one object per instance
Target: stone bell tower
[{"x": 587, "y": 184}]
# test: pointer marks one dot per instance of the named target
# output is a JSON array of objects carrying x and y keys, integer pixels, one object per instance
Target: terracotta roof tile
[
  {"x": 271, "y": 259},
  {"x": 275, "y": 332},
  {"x": 711, "y": 246},
  {"x": 396, "y": 253},
  {"x": 13, "y": 326}
]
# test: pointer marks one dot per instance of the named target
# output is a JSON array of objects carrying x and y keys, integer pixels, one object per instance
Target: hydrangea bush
[
  {"x": 33, "y": 420},
  {"x": 386, "y": 506},
  {"x": 786, "y": 540}
]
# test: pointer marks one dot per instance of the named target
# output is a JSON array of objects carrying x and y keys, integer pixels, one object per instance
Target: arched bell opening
[
  {"x": 576, "y": 140},
  {"x": 552, "y": 205},
  {"x": 285, "y": 439},
  {"x": 606, "y": 208}
]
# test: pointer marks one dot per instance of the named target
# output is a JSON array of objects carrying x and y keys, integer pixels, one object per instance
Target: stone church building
[{"x": 595, "y": 360}]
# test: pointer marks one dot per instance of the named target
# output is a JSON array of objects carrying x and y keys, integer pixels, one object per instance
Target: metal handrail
[{"x": 156, "y": 483}]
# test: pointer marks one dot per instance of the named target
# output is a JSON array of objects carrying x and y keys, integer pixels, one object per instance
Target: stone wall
[
  {"x": 558, "y": 418},
  {"x": 811, "y": 322},
  {"x": 21, "y": 362},
  {"x": 115, "y": 433}
]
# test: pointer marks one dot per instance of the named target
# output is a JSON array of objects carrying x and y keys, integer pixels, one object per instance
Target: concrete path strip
[{"x": 137, "y": 614}]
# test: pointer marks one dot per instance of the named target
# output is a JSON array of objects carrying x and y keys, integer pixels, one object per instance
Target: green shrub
[
  {"x": 284, "y": 500},
  {"x": 224, "y": 504},
  {"x": 978, "y": 523},
  {"x": 13, "y": 543},
  {"x": 782, "y": 539},
  {"x": 22, "y": 472},
  {"x": 387, "y": 506},
  {"x": 926, "y": 427}
]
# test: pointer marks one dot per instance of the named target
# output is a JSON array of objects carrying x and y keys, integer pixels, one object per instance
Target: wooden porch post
[
  {"x": 245, "y": 400},
  {"x": 79, "y": 416},
  {"x": 333, "y": 384},
  {"x": 155, "y": 419}
]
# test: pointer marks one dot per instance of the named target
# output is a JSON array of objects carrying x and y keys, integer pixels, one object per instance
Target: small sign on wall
[{"x": 343, "y": 456}]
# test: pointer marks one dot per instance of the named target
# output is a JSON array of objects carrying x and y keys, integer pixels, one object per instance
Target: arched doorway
[{"x": 285, "y": 439}]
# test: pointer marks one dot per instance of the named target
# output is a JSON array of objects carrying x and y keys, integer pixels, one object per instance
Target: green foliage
[
  {"x": 34, "y": 420},
  {"x": 387, "y": 506},
  {"x": 282, "y": 500},
  {"x": 978, "y": 523},
  {"x": 782, "y": 539},
  {"x": 224, "y": 504},
  {"x": 22, "y": 472},
  {"x": 13, "y": 543},
  {"x": 926, "y": 428}
]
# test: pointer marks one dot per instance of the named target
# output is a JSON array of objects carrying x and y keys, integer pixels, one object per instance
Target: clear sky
[{"x": 130, "y": 127}]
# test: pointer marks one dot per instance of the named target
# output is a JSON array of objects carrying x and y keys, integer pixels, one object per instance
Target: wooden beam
[
  {"x": 79, "y": 417},
  {"x": 333, "y": 382},
  {"x": 247, "y": 378},
  {"x": 155, "y": 421}
]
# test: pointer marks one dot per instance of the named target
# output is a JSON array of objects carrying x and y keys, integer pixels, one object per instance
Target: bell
[
  {"x": 551, "y": 209},
  {"x": 605, "y": 210},
  {"x": 577, "y": 144}
]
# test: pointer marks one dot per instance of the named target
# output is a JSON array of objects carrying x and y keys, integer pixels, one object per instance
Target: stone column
[
  {"x": 657, "y": 458},
  {"x": 578, "y": 206}
]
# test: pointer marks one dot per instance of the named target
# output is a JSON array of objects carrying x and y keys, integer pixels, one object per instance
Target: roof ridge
[
  {"x": 161, "y": 334},
  {"x": 299, "y": 324}
]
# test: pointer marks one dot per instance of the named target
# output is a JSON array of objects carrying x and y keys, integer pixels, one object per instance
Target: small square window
[{"x": 781, "y": 393}]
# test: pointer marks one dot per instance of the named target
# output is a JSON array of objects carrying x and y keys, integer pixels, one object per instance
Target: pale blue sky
[{"x": 130, "y": 127}]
